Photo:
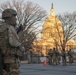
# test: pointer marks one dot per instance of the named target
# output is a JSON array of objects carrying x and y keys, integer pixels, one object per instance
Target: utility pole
[{"x": 1, "y": 63}]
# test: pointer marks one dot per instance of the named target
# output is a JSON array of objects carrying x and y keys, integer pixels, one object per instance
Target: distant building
[{"x": 51, "y": 34}]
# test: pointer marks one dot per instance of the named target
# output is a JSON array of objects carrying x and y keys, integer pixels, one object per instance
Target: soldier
[
  {"x": 10, "y": 45},
  {"x": 29, "y": 56},
  {"x": 70, "y": 56},
  {"x": 63, "y": 54},
  {"x": 50, "y": 54},
  {"x": 55, "y": 56}
]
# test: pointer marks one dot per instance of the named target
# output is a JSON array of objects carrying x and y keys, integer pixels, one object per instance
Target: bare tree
[
  {"x": 64, "y": 32},
  {"x": 68, "y": 21},
  {"x": 30, "y": 16}
]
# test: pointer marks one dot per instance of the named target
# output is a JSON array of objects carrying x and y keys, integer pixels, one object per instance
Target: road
[{"x": 39, "y": 69}]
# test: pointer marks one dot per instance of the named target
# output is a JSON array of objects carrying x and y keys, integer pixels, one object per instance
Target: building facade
[{"x": 51, "y": 35}]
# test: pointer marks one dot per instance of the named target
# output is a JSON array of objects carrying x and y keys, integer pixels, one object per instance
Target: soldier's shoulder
[{"x": 3, "y": 26}]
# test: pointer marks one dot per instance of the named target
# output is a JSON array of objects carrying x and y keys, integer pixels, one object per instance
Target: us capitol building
[{"x": 50, "y": 35}]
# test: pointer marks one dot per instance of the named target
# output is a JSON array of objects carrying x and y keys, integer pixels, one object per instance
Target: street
[{"x": 39, "y": 69}]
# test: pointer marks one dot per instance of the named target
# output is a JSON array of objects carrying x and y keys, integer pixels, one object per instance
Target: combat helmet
[{"x": 7, "y": 13}]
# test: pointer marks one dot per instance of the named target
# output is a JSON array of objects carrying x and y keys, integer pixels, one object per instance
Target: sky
[{"x": 60, "y": 6}]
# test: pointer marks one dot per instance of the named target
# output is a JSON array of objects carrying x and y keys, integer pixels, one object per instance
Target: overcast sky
[{"x": 60, "y": 6}]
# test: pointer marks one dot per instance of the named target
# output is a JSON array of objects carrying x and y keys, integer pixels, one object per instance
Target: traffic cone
[{"x": 44, "y": 63}]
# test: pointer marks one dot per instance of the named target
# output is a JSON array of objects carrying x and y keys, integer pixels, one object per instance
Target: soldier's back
[{"x": 3, "y": 36}]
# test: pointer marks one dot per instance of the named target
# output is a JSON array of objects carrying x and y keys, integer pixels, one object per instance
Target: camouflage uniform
[
  {"x": 63, "y": 54},
  {"x": 55, "y": 56},
  {"x": 70, "y": 56},
  {"x": 10, "y": 43},
  {"x": 29, "y": 57},
  {"x": 50, "y": 54}
]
